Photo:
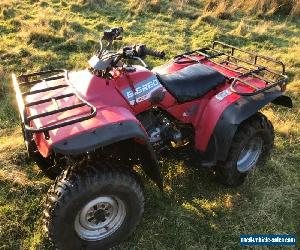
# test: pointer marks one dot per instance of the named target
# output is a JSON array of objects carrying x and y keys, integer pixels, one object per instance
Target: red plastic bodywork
[{"x": 113, "y": 106}]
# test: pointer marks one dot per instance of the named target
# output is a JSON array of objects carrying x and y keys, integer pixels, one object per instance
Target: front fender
[
  {"x": 110, "y": 134},
  {"x": 221, "y": 138},
  {"x": 109, "y": 126},
  {"x": 100, "y": 137}
]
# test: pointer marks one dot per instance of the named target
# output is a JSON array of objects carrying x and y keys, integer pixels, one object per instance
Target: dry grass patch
[
  {"x": 14, "y": 176},
  {"x": 95, "y": 3},
  {"x": 194, "y": 212},
  {"x": 139, "y": 6},
  {"x": 224, "y": 9},
  {"x": 15, "y": 165}
]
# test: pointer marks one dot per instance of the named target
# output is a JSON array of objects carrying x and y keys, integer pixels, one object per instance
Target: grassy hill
[{"x": 194, "y": 212}]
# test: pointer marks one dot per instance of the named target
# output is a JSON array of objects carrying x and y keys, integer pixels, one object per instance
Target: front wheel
[
  {"x": 93, "y": 208},
  {"x": 251, "y": 145}
]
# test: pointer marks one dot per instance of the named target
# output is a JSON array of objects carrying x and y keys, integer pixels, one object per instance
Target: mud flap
[
  {"x": 284, "y": 101},
  {"x": 150, "y": 165}
]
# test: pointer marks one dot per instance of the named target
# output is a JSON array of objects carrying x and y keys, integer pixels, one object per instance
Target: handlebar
[
  {"x": 105, "y": 59},
  {"x": 143, "y": 51}
]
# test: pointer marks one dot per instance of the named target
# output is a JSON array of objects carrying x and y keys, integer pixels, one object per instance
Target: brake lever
[{"x": 141, "y": 61}]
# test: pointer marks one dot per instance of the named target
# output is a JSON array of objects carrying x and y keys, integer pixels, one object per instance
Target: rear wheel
[
  {"x": 93, "y": 208},
  {"x": 251, "y": 145}
]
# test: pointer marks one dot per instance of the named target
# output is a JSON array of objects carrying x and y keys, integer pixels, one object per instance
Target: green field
[{"x": 194, "y": 212}]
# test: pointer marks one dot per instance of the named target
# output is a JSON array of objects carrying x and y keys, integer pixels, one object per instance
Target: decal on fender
[
  {"x": 220, "y": 96},
  {"x": 143, "y": 90}
]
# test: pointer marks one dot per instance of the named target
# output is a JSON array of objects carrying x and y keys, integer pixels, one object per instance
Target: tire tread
[
  {"x": 226, "y": 171},
  {"x": 75, "y": 178}
]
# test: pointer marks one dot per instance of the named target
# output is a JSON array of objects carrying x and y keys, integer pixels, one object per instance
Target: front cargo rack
[
  {"x": 26, "y": 81},
  {"x": 245, "y": 63}
]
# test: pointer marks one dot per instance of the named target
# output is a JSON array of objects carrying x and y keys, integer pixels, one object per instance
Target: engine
[{"x": 163, "y": 132}]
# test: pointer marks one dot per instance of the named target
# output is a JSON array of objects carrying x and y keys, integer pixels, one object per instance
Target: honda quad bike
[{"x": 90, "y": 128}]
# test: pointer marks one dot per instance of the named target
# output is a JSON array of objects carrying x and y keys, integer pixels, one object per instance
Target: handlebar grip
[{"x": 151, "y": 52}]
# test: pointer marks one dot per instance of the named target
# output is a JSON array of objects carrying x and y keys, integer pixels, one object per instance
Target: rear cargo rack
[
  {"x": 245, "y": 63},
  {"x": 26, "y": 81}
]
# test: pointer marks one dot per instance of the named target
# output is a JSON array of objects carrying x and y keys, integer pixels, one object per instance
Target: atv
[{"x": 89, "y": 129}]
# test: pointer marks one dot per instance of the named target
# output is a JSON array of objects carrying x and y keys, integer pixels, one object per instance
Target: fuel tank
[{"x": 135, "y": 87}]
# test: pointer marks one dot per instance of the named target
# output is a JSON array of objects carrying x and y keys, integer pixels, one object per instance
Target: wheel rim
[
  {"x": 250, "y": 155},
  {"x": 100, "y": 218}
]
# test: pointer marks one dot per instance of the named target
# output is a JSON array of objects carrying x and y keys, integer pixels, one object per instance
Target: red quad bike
[{"x": 89, "y": 128}]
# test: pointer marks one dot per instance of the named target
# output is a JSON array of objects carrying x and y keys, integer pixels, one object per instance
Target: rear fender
[
  {"x": 220, "y": 138},
  {"x": 110, "y": 133}
]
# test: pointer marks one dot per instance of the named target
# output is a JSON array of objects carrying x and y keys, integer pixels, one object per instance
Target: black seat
[{"x": 191, "y": 82}]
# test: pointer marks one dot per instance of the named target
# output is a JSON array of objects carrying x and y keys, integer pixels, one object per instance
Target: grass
[{"x": 194, "y": 212}]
